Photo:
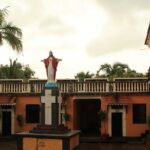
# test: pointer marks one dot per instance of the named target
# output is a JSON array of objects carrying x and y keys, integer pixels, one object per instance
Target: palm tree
[
  {"x": 82, "y": 75},
  {"x": 9, "y": 32},
  {"x": 15, "y": 70},
  {"x": 117, "y": 70},
  {"x": 106, "y": 68}
]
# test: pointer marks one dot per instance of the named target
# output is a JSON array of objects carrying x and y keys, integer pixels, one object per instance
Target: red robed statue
[{"x": 51, "y": 66}]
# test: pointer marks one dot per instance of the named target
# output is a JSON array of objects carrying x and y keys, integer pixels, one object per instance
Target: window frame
[
  {"x": 30, "y": 111},
  {"x": 139, "y": 117}
]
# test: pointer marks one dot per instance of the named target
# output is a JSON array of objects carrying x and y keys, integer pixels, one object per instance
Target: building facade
[{"x": 126, "y": 102}]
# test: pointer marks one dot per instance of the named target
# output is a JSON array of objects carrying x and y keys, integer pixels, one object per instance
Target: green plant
[
  {"x": 102, "y": 115},
  {"x": 148, "y": 122},
  {"x": 19, "y": 119},
  {"x": 147, "y": 138},
  {"x": 66, "y": 117}
]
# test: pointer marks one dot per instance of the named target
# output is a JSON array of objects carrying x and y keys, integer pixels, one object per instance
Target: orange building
[{"x": 126, "y": 102}]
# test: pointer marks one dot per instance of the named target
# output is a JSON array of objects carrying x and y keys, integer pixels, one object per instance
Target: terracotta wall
[
  {"x": 21, "y": 110},
  {"x": 70, "y": 111},
  {"x": 132, "y": 130},
  {"x": 137, "y": 129}
]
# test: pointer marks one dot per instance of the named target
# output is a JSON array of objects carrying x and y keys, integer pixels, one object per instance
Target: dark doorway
[
  {"x": 86, "y": 112},
  {"x": 6, "y": 123},
  {"x": 116, "y": 124}
]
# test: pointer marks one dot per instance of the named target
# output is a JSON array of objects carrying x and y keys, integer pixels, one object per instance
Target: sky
[{"x": 83, "y": 33}]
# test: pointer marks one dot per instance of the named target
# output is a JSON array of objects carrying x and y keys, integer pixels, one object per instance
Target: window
[
  {"x": 32, "y": 113},
  {"x": 139, "y": 113}
]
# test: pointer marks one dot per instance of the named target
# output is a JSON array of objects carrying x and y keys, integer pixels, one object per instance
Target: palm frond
[
  {"x": 3, "y": 13},
  {"x": 1, "y": 39},
  {"x": 9, "y": 28},
  {"x": 10, "y": 61},
  {"x": 14, "y": 41},
  {"x": 9, "y": 32}
]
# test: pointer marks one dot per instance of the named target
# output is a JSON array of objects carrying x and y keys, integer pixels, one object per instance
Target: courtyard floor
[{"x": 11, "y": 144}]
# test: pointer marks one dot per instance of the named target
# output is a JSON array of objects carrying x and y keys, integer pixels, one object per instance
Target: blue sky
[{"x": 84, "y": 34}]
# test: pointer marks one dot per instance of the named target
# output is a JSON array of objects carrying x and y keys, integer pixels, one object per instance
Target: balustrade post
[
  {"x": 114, "y": 86},
  {"x": 0, "y": 87},
  {"x": 107, "y": 86},
  {"x": 28, "y": 87}
]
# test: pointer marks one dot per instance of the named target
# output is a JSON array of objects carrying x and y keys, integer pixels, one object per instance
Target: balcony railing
[
  {"x": 65, "y": 86},
  {"x": 84, "y": 87},
  {"x": 130, "y": 86}
]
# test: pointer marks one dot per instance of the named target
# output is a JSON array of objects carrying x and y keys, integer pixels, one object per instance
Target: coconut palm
[
  {"x": 117, "y": 70},
  {"x": 82, "y": 75},
  {"x": 16, "y": 70},
  {"x": 9, "y": 32}
]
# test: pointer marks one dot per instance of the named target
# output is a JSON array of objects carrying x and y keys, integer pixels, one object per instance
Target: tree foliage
[
  {"x": 82, "y": 75},
  {"x": 16, "y": 70},
  {"x": 9, "y": 32},
  {"x": 117, "y": 70}
]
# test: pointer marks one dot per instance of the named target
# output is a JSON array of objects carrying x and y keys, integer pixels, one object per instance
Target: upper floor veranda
[{"x": 73, "y": 86}]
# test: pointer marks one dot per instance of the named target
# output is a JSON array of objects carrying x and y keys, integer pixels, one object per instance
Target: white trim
[
  {"x": 0, "y": 121},
  {"x": 110, "y": 111},
  {"x": 12, "y": 119},
  {"x": 87, "y": 97},
  {"x": 11, "y": 104}
]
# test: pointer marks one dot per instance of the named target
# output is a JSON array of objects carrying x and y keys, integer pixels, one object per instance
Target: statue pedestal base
[
  {"x": 49, "y": 129},
  {"x": 31, "y": 141},
  {"x": 50, "y": 84},
  {"x": 50, "y": 112},
  {"x": 50, "y": 134}
]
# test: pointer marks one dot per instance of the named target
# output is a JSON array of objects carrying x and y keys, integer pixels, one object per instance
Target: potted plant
[
  {"x": 102, "y": 118},
  {"x": 66, "y": 117},
  {"x": 19, "y": 119},
  {"x": 148, "y": 132}
]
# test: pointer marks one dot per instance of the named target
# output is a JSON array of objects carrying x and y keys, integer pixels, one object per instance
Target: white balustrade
[{"x": 74, "y": 87}]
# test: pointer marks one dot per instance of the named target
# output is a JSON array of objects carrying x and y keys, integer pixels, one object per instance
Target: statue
[{"x": 51, "y": 67}]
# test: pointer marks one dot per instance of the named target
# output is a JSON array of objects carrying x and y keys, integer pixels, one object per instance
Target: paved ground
[
  {"x": 8, "y": 144},
  {"x": 11, "y": 145},
  {"x": 114, "y": 146}
]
